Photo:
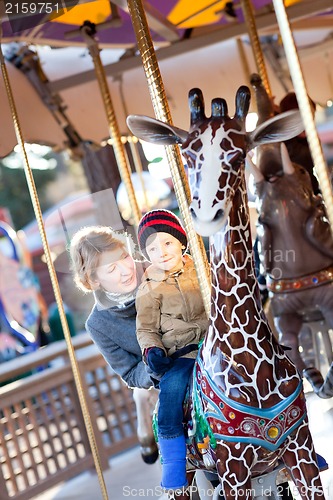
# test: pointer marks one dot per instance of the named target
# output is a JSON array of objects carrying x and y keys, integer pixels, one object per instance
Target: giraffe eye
[{"x": 230, "y": 157}]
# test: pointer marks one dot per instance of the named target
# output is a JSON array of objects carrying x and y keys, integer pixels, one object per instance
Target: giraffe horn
[
  {"x": 197, "y": 105},
  {"x": 243, "y": 98},
  {"x": 219, "y": 108}
]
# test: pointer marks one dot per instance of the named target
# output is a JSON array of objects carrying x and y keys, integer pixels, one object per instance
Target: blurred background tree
[
  {"x": 14, "y": 193},
  {"x": 56, "y": 176}
]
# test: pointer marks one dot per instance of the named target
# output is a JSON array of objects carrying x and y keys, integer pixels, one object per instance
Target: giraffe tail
[{"x": 323, "y": 388}]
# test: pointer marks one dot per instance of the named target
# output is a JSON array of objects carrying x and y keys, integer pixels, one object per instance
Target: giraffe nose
[
  {"x": 219, "y": 215},
  {"x": 193, "y": 213},
  {"x": 207, "y": 221}
]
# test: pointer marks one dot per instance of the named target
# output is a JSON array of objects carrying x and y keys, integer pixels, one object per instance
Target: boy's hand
[{"x": 157, "y": 361}]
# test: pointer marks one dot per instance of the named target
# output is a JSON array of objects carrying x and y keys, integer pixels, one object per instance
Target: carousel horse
[
  {"x": 247, "y": 407},
  {"x": 323, "y": 388},
  {"x": 145, "y": 402},
  {"x": 295, "y": 239},
  {"x": 20, "y": 313}
]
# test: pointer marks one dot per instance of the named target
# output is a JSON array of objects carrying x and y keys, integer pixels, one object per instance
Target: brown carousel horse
[
  {"x": 296, "y": 243},
  {"x": 145, "y": 402},
  {"x": 248, "y": 407}
]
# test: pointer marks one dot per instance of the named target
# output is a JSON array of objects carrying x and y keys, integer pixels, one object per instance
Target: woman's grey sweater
[{"x": 112, "y": 329}]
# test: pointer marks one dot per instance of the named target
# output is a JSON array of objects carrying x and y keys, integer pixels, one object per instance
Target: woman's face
[{"x": 116, "y": 271}]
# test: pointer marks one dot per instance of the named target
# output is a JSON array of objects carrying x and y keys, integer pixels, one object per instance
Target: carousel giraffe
[{"x": 246, "y": 389}]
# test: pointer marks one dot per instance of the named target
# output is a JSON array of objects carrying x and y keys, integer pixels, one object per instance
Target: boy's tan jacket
[{"x": 170, "y": 311}]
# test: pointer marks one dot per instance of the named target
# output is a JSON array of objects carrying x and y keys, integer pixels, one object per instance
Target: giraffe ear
[
  {"x": 277, "y": 129},
  {"x": 152, "y": 130}
]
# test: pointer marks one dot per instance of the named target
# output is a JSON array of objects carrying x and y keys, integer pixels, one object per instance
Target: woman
[{"x": 101, "y": 264}]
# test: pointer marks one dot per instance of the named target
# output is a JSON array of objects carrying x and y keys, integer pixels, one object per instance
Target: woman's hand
[{"x": 157, "y": 361}]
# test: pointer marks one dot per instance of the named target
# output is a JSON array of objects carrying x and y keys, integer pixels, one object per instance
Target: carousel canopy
[
  {"x": 170, "y": 22},
  {"x": 197, "y": 46}
]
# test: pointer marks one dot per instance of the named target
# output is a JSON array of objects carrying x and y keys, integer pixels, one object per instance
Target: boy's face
[
  {"x": 116, "y": 272},
  {"x": 165, "y": 251}
]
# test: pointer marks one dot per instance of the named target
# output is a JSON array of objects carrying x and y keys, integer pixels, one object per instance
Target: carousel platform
[
  {"x": 127, "y": 477},
  {"x": 130, "y": 477}
]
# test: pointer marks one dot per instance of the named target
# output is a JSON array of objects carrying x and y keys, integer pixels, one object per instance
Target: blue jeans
[{"x": 173, "y": 387}]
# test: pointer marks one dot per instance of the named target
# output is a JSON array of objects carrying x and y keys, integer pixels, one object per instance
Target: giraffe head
[{"x": 215, "y": 148}]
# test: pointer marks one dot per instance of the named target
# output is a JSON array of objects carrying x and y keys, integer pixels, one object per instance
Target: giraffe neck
[
  {"x": 239, "y": 339},
  {"x": 232, "y": 265}
]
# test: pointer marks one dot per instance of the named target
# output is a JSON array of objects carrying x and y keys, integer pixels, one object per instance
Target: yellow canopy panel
[{"x": 96, "y": 12}]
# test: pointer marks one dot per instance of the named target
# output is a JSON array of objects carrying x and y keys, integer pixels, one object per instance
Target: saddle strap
[{"x": 184, "y": 350}]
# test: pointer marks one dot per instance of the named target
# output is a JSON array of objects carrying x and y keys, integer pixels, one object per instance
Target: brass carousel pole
[
  {"x": 138, "y": 168},
  {"x": 88, "y": 31},
  {"x": 305, "y": 107},
  {"x": 132, "y": 142},
  {"x": 53, "y": 277},
  {"x": 244, "y": 61},
  {"x": 162, "y": 112},
  {"x": 255, "y": 44}
]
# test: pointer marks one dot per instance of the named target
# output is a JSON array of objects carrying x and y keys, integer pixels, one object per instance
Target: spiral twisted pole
[
  {"x": 53, "y": 277},
  {"x": 305, "y": 107},
  {"x": 162, "y": 112},
  {"x": 255, "y": 44},
  {"x": 115, "y": 135}
]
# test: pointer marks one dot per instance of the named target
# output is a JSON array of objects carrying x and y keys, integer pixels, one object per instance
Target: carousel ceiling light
[
  {"x": 156, "y": 190},
  {"x": 36, "y": 154},
  {"x": 251, "y": 121}
]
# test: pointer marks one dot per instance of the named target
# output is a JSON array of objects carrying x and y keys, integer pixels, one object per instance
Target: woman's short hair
[{"x": 85, "y": 249}]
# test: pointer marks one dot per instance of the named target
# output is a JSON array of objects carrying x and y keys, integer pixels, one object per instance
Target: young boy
[{"x": 171, "y": 320}]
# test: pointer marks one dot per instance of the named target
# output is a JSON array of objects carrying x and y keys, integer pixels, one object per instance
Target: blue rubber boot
[
  {"x": 322, "y": 464},
  {"x": 173, "y": 453}
]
